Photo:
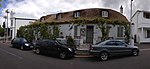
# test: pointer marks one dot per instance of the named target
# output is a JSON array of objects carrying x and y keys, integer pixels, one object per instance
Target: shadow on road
[{"x": 95, "y": 59}]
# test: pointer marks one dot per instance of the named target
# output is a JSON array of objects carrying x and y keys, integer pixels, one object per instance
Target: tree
[
  {"x": 0, "y": 3},
  {"x": 71, "y": 42},
  {"x": 102, "y": 25},
  {"x": 1, "y": 31}
]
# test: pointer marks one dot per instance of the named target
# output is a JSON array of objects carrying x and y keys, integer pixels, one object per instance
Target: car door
[
  {"x": 50, "y": 47},
  {"x": 124, "y": 48},
  {"x": 53, "y": 48},
  {"x": 44, "y": 46},
  {"x": 112, "y": 48},
  {"x": 121, "y": 47},
  {"x": 18, "y": 42}
]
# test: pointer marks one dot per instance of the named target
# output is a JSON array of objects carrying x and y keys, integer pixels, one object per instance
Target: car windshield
[
  {"x": 100, "y": 43},
  {"x": 62, "y": 42},
  {"x": 24, "y": 40}
]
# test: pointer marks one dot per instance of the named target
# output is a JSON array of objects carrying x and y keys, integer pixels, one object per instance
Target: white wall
[
  {"x": 19, "y": 23},
  {"x": 64, "y": 28},
  {"x": 141, "y": 22}
]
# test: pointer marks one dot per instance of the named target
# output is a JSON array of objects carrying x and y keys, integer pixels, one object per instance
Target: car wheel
[
  {"x": 62, "y": 55},
  {"x": 135, "y": 52},
  {"x": 103, "y": 56},
  {"x": 37, "y": 51},
  {"x": 21, "y": 47}
]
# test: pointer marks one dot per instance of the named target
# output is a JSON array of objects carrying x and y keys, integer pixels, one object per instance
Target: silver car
[{"x": 109, "y": 48}]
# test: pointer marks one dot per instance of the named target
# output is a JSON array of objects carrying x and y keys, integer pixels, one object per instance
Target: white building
[
  {"x": 87, "y": 33},
  {"x": 141, "y": 20},
  {"x": 16, "y": 23}
]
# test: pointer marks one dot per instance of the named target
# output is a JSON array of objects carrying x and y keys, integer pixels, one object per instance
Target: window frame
[
  {"x": 147, "y": 32},
  {"x": 146, "y": 15},
  {"x": 59, "y": 16},
  {"x": 116, "y": 43},
  {"x": 120, "y": 31},
  {"x": 77, "y": 14},
  {"x": 105, "y": 13}
]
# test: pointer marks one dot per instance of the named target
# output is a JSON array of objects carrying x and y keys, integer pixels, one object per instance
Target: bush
[{"x": 71, "y": 42}]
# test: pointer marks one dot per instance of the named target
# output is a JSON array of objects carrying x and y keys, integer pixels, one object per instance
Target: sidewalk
[
  {"x": 83, "y": 51},
  {"x": 6, "y": 42}
]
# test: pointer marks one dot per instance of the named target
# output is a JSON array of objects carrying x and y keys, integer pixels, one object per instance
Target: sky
[{"x": 37, "y": 8}]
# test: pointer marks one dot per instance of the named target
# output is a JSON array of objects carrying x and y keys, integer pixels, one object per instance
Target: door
[
  {"x": 116, "y": 47},
  {"x": 53, "y": 48},
  {"x": 89, "y": 34}
]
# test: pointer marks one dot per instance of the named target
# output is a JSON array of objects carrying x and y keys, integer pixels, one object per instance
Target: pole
[
  {"x": 131, "y": 27},
  {"x": 7, "y": 26},
  {"x": 5, "y": 29},
  {"x": 15, "y": 29}
]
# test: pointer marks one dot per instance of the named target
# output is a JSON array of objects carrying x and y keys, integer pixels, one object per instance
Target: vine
[{"x": 50, "y": 30}]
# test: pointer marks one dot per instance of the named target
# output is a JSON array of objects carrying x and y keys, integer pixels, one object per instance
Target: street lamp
[
  {"x": 5, "y": 29},
  {"x": 7, "y": 11}
]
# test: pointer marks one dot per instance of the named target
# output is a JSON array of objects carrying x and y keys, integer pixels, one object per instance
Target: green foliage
[
  {"x": 56, "y": 31},
  {"x": 127, "y": 32},
  {"x": 30, "y": 32},
  {"x": 101, "y": 23},
  {"x": 44, "y": 31},
  {"x": 49, "y": 30},
  {"x": 71, "y": 42},
  {"x": 1, "y": 31},
  {"x": 0, "y": 3},
  {"x": 26, "y": 32}
]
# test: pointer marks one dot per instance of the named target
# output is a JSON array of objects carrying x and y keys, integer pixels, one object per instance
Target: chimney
[{"x": 121, "y": 9}]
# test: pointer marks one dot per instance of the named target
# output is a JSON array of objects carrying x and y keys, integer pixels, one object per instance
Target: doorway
[{"x": 89, "y": 34}]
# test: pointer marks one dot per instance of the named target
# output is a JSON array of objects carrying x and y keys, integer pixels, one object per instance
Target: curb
[
  {"x": 83, "y": 56},
  {"x": 6, "y": 43}
]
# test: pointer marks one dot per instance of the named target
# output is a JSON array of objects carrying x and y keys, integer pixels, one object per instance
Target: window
[
  {"x": 104, "y": 13},
  {"x": 120, "y": 43},
  {"x": 42, "y": 19},
  {"x": 110, "y": 43},
  {"x": 146, "y": 15},
  {"x": 23, "y": 40},
  {"x": 77, "y": 14},
  {"x": 11, "y": 22},
  {"x": 75, "y": 30},
  {"x": 115, "y": 43},
  {"x": 59, "y": 16},
  {"x": 148, "y": 34},
  {"x": 120, "y": 31},
  {"x": 51, "y": 43}
]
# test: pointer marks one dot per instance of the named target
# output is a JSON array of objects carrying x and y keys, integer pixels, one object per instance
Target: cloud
[
  {"x": 1, "y": 20},
  {"x": 38, "y": 8}
]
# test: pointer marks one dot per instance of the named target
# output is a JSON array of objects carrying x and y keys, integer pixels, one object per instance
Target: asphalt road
[{"x": 12, "y": 58}]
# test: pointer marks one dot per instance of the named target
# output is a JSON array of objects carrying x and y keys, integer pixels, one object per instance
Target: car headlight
[
  {"x": 70, "y": 49},
  {"x": 27, "y": 44}
]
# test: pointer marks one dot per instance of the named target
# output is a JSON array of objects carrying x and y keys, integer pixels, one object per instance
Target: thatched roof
[{"x": 88, "y": 14}]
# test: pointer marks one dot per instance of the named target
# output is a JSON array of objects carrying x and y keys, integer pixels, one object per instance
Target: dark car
[
  {"x": 21, "y": 43},
  {"x": 109, "y": 48},
  {"x": 53, "y": 47}
]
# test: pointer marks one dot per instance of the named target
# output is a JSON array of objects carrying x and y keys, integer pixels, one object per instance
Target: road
[{"x": 12, "y": 58}]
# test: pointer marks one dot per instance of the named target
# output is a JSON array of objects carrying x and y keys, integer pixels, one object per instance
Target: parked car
[
  {"x": 109, "y": 48},
  {"x": 21, "y": 43},
  {"x": 53, "y": 47}
]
